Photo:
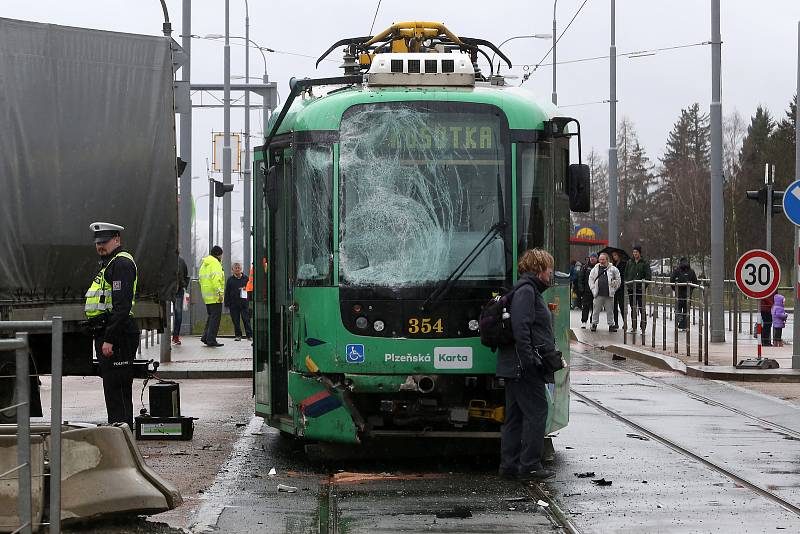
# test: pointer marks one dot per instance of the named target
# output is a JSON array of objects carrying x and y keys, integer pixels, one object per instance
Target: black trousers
[
  {"x": 619, "y": 306},
  {"x": 244, "y": 313},
  {"x": 522, "y": 435},
  {"x": 766, "y": 327},
  {"x": 209, "y": 336},
  {"x": 636, "y": 301},
  {"x": 682, "y": 311},
  {"x": 587, "y": 301},
  {"x": 117, "y": 375}
]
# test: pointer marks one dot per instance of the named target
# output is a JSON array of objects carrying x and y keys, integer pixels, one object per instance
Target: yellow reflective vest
[
  {"x": 98, "y": 296},
  {"x": 212, "y": 280}
]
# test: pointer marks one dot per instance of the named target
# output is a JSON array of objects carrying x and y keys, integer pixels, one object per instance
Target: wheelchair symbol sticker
[{"x": 354, "y": 353}]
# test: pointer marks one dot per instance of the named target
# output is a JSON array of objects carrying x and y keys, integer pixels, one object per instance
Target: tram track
[
  {"x": 702, "y": 398},
  {"x": 680, "y": 449}
]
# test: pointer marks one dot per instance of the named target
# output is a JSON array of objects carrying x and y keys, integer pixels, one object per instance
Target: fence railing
[
  {"x": 19, "y": 344},
  {"x": 661, "y": 302}
]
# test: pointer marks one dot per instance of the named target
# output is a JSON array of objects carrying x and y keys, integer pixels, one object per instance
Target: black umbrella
[{"x": 610, "y": 250}]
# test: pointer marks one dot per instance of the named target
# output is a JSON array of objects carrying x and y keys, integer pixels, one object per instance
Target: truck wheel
[{"x": 8, "y": 389}]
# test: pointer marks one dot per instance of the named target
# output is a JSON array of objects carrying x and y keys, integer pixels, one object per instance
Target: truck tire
[{"x": 8, "y": 388}]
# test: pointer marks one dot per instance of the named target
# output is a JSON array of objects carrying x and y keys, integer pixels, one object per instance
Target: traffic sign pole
[{"x": 796, "y": 327}]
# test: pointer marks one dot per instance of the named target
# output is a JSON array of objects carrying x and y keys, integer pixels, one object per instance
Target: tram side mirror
[
  {"x": 271, "y": 189},
  {"x": 578, "y": 186}
]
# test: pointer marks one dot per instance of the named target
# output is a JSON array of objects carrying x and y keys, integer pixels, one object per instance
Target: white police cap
[{"x": 104, "y": 231}]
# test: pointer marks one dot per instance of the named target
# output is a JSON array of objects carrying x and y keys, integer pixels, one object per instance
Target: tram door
[{"x": 280, "y": 283}]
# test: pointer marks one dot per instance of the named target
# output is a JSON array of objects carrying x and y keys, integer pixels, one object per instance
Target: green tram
[{"x": 387, "y": 212}]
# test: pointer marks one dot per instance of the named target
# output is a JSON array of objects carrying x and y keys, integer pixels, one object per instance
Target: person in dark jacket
[
  {"x": 520, "y": 365},
  {"x": 236, "y": 301},
  {"x": 637, "y": 268},
  {"x": 183, "y": 283},
  {"x": 587, "y": 299},
  {"x": 765, "y": 307},
  {"x": 109, "y": 308},
  {"x": 683, "y": 274},
  {"x": 619, "y": 296}
]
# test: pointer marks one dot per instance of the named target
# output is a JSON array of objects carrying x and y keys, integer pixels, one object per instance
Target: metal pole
[
  {"x": 796, "y": 273},
  {"x": 555, "y": 42},
  {"x": 211, "y": 242},
  {"x": 185, "y": 206},
  {"x": 24, "y": 437},
  {"x": 717, "y": 206},
  {"x": 736, "y": 335},
  {"x": 613, "y": 224},
  {"x": 247, "y": 171},
  {"x": 56, "y": 366},
  {"x": 226, "y": 147},
  {"x": 768, "y": 209}
]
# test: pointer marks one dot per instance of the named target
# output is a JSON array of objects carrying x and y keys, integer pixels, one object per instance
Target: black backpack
[{"x": 494, "y": 321}]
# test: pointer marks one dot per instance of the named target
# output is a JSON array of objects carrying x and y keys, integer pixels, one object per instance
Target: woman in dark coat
[{"x": 520, "y": 364}]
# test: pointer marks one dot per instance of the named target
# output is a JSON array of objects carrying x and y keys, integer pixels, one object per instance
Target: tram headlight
[
  {"x": 378, "y": 326},
  {"x": 473, "y": 325},
  {"x": 362, "y": 322}
]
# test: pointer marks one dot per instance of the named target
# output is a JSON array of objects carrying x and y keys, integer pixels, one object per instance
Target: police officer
[{"x": 109, "y": 307}]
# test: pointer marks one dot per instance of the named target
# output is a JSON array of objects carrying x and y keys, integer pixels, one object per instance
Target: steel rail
[
  {"x": 696, "y": 396},
  {"x": 554, "y": 512},
  {"x": 783, "y": 503}
]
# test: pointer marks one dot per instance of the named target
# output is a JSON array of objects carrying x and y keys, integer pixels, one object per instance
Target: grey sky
[{"x": 759, "y": 52}]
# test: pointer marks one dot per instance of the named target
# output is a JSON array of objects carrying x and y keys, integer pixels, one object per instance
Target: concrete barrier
[{"x": 9, "y": 520}]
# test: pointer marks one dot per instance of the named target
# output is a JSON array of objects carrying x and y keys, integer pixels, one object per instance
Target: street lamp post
[
  {"x": 534, "y": 36},
  {"x": 613, "y": 207},
  {"x": 555, "y": 42},
  {"x": 226, "y": 145}
]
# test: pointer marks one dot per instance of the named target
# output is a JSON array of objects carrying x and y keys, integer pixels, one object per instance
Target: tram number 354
[{"x": 424, "y": 325}]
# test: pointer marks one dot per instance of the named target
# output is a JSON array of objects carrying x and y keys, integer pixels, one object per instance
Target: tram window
[
  {"x": 421, "y": 184},
  {"x": 535, "y": 199},
  {"x": 313, "y": 181},
  {"x": 561, "y": 215}
]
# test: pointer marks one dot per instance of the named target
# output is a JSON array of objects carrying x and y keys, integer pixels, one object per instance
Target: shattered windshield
[{"x": 421, "y": 184}]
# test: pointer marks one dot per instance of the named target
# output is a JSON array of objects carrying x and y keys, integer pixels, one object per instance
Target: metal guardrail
[
  {"x": 19, "y": 344},
  {"x": 660, "y": 300}
]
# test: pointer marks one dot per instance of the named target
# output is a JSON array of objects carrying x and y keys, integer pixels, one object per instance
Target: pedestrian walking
[
  {"x": 520, "y": 365},
  {"x": 183, "y": 283},
  {"x": 779, "y": 317},
  {"x": 110, "y": 300},
  {"x": 683, "y": 274},
  {"x": 637, "y": 269},
  {"x": 765, "y": 307},
  {"x": 620, "y": 262},
  {"x": 212, "y": 287},
  {"x": 604, "y": 280},
  {"x": 574, "y": 293},
  {"x": 236, "y": 301},
  {"x": 587, "y": 299}
]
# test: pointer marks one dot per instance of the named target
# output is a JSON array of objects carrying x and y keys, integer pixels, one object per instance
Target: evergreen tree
[
  {"x": 686, "y": 181},
  {"x": 637, "y": 188},
  {"x": 749, "y": 215}
]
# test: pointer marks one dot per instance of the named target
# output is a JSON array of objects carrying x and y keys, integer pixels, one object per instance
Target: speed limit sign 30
[{"x": 758, "y": 274}]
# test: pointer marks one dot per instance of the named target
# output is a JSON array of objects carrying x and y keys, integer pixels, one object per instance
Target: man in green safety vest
[
  {"x": 109, "y": 307},
  {"x": 212, "y": 287}
]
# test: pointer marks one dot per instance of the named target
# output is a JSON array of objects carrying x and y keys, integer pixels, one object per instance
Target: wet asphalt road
[{"x": 654, "y": 488}]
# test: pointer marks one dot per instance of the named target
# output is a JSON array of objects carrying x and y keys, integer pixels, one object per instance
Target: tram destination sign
[{"x": 758, "y": 274}]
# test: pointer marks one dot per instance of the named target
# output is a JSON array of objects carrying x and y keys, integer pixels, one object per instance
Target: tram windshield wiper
[{"x": 445, "y": 285}]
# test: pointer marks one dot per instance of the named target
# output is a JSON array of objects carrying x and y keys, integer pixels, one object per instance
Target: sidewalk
[
  {"x": 720, "y": 355},
  {"x": 192, "y": 359}
]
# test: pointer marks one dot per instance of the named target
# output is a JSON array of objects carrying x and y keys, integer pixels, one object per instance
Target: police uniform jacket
[{"x": 120, "y": 276}]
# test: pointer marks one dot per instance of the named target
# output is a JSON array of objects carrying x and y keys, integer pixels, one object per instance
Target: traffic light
[
  {"x": 761, "y": 197},
  {"x": 221, "y": 188}
]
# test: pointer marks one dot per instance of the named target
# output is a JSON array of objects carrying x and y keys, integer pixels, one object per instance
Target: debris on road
[
  {"x": 287, "y": 489},
  {"x": 542, "y": 503},
  {"x": 637, "y": 436},
  {"x": 618, "y": 358},
  {"x": 588, "y": 474},
  {"x": 272, "y": 472},
  {"x": 602, "y": 482},
  {"x": 459, "y": 512}
]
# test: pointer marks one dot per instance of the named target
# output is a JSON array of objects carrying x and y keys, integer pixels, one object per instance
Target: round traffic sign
[
  {"x": 758, "y": 274},
  {"x": 791, "y": 203}
]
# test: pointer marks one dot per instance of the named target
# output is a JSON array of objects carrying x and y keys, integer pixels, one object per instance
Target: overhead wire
[{"x": 375, "y": 17}]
